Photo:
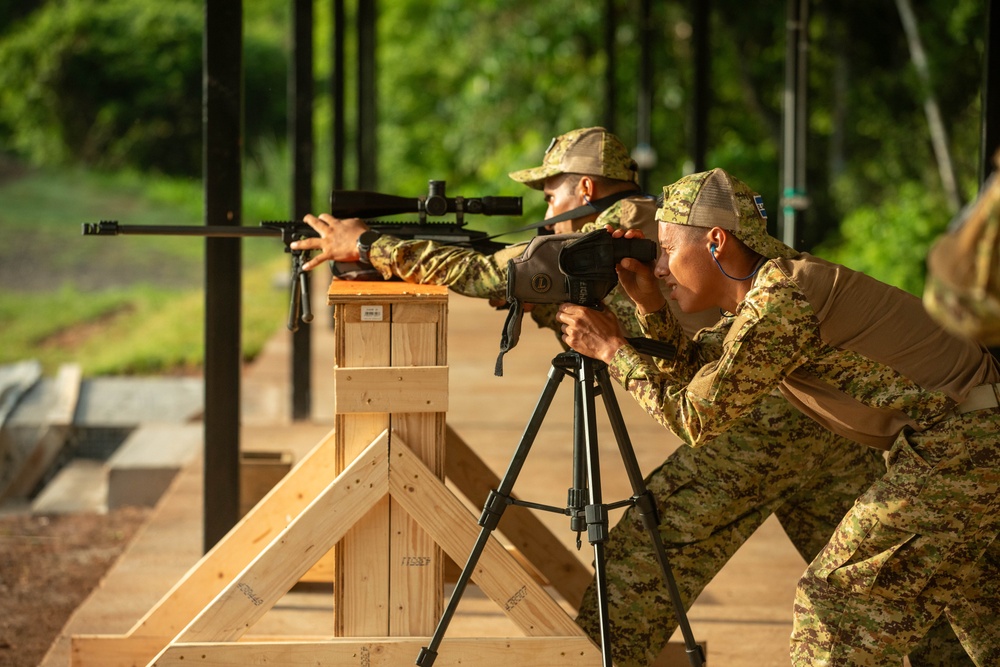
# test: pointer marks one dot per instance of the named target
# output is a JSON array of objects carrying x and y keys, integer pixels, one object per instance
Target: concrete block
[
  {"x": 146, "y": 463},
  {"x": 80, "y": 486},
  {"x": 127, "y": 401}
]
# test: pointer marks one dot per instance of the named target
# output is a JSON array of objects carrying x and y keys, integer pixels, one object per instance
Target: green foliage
[
  {"x": 119, "y": 83},
  {"x": 471, "y": 91},
  {"x": 890, "y": 241},
  {"x": 109, "y": 83}
]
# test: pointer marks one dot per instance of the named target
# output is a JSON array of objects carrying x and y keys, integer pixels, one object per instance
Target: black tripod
[{"x": 585, "y": 506}]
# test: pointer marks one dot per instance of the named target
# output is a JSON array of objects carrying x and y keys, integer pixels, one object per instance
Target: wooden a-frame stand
[{"x": 372, "y": 491}]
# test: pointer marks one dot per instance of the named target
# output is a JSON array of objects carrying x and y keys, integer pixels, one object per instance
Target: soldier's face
[
  {"x": 562, "y": 194},
  {"x": 685, "y": 265}
]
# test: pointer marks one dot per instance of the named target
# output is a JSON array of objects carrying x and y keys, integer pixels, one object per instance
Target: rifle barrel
[{"x": 112, "y": 228}]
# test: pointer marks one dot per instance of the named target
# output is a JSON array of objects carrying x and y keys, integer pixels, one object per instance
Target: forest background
[{"x": 100, "y": 118}]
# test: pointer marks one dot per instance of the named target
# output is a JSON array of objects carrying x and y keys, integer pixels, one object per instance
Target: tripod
[{"x": 585, "y": 506}]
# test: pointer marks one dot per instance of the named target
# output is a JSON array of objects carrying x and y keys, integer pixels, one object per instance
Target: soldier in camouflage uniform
[
  {"x": 963, "y": 279},
  {"x": 864, "y": 360},
  {"x": 710, "y": 500}
]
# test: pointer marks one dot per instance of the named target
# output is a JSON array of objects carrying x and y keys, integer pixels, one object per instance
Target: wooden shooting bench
[{"x": 368, "y": 508}]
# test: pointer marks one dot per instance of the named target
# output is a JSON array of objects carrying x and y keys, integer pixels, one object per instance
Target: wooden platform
[{"x": 744, "y": 614}]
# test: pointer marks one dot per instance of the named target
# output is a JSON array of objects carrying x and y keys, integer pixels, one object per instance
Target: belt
[{"x": 983, "y": 397}]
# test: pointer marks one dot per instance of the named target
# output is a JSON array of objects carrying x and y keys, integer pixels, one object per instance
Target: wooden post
[{"x": 391, "y": 357}]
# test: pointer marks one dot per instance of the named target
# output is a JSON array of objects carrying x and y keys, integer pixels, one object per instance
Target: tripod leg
[
  {"x": 493, "y": 509},
  {"x": 643, "y": 500},
  {"x": 596, "y": 511},
  {"x": 576, "y": 499}
]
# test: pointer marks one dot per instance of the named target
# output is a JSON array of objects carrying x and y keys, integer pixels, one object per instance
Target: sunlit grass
[{"x": 129, "y": 304}]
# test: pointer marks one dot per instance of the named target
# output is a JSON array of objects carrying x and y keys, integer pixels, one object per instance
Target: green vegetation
[{"x": 101, "y": 100}]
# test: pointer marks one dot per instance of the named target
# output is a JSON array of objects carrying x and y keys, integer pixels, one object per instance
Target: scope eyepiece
[
  {"x": 643, "y": 250},
  {"x": 498, "y": 206}
]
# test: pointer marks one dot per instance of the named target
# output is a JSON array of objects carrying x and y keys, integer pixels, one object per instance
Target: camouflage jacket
[{"x": 862, "y": 358}]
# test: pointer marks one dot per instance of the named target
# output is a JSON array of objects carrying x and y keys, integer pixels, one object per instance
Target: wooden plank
[
  {"x": 107, "y": 651},
  {"x": 390, "y": 389},
  {"x": 361, "y": 559},
  {"x": 451, "y": 525},
  {"x": 347, "y": 291},
  {"x": 114, "y": 650},
  {"x": 235, "y": 551},
  {"x": 306, "y": 539},
  {"x": 386, "y": 652},
  {"x": 55, "y": 431},
  {"x": 557, "y": 563},
  {"x": 16, "y": 380},
  {"x": 416, "y": 568}
]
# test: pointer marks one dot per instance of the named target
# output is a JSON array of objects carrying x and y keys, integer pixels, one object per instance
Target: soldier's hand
[
  {"x": 641, "y": 285},
  {"x": 636, "y": 278},
  {"x": 337, "y": 241},
  {"x": 594, "y": 333}
]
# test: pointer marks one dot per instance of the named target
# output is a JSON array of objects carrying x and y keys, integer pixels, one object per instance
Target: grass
[{"x": 122, "y": 305}]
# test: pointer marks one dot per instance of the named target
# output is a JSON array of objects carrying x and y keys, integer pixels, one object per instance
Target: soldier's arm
[{"x": 466, "y": 271}]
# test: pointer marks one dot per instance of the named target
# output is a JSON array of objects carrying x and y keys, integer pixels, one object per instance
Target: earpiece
[{"x": 711, "y": 248}]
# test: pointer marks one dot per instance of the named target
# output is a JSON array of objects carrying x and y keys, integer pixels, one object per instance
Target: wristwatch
[{"x": 365, "y": 241}]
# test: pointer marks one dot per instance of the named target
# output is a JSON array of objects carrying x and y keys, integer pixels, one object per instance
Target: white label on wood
[{"x": 371, "y": 314}]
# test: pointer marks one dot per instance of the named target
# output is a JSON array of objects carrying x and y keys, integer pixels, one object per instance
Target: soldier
[
  {"x": 709, "y": 500},
  {"x": 963, "y": 278},
  {"x": 861, "y": 358}
]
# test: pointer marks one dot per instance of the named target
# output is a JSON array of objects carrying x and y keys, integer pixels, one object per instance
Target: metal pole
[
  {"x": 300, "y": 130},
  {"x": 611, "y": 70},
  {"x": 990, "y": 95},
  {"x": 367, "y": 111},
  {"x": 794, "y": 108},
  {"x": 645, "y": 154},
  {"x": 337, "y": 92},
  {"x": 223, "y": 128},
  {"x": 701, "y": 27}
]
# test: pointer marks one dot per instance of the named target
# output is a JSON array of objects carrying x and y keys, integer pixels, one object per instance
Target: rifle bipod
[{"x": 591, "y": 378}]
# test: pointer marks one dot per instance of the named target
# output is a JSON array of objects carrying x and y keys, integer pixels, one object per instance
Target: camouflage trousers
[
  {"x": 919, "y": 546},
  {"x": 710, "y": 500}
]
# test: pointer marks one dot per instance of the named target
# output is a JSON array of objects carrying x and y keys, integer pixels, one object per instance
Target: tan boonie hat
[
  {"x": 592, "y": 151},
  {"x": 716, "y": 199}
]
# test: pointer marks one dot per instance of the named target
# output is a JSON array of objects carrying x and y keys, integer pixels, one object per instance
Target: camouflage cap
[
  {"x": 592, "y": 151},
  {"x": 716, "y": 199}
]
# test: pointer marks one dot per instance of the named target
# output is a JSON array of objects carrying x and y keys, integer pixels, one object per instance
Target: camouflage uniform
[
  {"x": 963, "y": 280},
  {"x": 866, "y": 361},
  {"x": 710, "y": 500}
]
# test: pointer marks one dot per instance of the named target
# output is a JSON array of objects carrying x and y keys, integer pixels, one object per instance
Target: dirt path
[{"x": 48, "y": 566}]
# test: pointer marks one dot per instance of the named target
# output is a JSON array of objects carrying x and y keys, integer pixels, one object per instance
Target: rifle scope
[{"x": 364, "y": 204}]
